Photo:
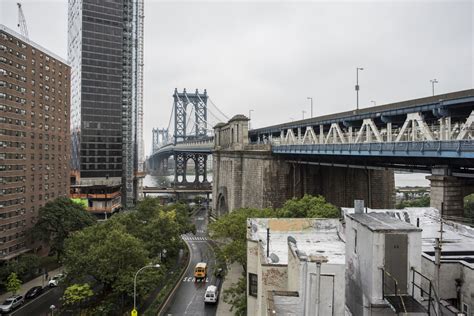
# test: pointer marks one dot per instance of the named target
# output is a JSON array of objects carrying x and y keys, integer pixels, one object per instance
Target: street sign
[{"x": 134, "y": 312}]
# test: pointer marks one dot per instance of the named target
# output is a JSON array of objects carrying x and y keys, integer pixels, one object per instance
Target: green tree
[
  {"x": 77, "y": 295},
  {"x": 469, "y": 206},
  {"x": 232, "y": 230},
  {"x": 309, "y": 207},
  {"x": 109, "y": 255},
  {"x": 236, "y": 296},
  {"x": 13, "y": 283},
  {"x": 423, "y": 201},
  {"x": 57, "y": 220}
]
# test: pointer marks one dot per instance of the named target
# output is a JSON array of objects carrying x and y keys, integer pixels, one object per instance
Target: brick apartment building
[{"x": 34, "y": 136}]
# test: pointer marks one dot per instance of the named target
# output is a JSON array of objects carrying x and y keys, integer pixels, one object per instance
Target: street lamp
[
  {"x": 375, "y": 103},
  {"x": 303, "y": 113},
  {"x": 433, "y": 81},
  {"x": 250, "y": 116},
  {"x": 135, "y": 283},
  {"x": 357, "y": 85},
  {"x": 310, "y": 98}
]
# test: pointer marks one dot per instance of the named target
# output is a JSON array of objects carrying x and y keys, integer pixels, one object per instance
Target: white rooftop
[
  {"x": 458, "y": 239},
  {"x": 314, "y": 237}
]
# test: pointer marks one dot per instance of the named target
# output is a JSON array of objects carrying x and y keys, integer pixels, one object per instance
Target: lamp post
[
  {"x": 135, "y": 283},
  {"x": 375, "y": 103},
  {"x": 310, "y": 98},
  {"x": 303, "y": 113},
  {"x": 433, "y": 81},
  {"x": 52, "y": 308},
  {"x": 357, "y": 85},
  {"x": 250, "y": 116}
]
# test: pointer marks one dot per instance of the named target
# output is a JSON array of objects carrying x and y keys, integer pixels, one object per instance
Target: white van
[{"x": 211, "y": 294}]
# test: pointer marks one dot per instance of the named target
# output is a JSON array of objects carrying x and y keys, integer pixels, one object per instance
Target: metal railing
[
  {"x": 395, "y": 287},
  {"x": 433, "y": 299}
]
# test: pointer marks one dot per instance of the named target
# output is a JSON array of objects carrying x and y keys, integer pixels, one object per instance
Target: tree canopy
[
  {"x": 108, "y": 255},
  {"x": 57, "y": 220}
]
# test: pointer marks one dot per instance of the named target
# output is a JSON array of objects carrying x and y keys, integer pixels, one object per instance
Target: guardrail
[{"x": 433, "y": 300}]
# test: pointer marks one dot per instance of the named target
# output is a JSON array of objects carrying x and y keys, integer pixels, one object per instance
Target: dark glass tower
[{"x": 106, "y": 86}]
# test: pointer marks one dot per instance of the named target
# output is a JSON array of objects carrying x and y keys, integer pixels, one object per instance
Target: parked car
[
  {"x": 55, "y": 280},
  {"x": 33, "y": 292},
  {"x": 211, "y": 295},
  {"x": 11, "y": 303}
]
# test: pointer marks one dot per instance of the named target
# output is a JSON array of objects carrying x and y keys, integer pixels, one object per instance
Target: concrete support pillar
[{"x": 448, "y": 190}]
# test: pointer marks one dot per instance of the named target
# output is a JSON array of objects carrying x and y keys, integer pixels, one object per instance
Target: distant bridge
[{"x": 191, "y": 138}]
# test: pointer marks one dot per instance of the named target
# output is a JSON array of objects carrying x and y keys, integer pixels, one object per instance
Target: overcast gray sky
[{"x": 270, "y": 56}]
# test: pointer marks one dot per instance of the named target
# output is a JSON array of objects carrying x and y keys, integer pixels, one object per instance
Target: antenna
[{"x": 22, "y": 21}]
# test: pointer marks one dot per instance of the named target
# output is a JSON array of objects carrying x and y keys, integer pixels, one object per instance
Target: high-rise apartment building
[
  {"x": 34, "y": 136},
  {"x": 105, "y": 49}
]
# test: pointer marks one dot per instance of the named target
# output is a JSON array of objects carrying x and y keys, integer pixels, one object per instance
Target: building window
[{"x": 253, "y": 284}]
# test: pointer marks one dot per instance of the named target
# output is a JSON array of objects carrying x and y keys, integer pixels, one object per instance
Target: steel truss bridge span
[{"x": 416, "y": 134}]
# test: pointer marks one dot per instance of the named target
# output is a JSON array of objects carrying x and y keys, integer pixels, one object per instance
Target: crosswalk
[{"x": 194, "y": 238}]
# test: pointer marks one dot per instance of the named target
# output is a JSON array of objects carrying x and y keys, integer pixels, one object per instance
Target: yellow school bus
[{"x": 200, "y": 271}]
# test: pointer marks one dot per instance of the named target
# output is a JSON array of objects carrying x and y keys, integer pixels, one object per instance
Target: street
[
  {"x": 189, "y": 296},
  {"x": 40, "y": 306}
]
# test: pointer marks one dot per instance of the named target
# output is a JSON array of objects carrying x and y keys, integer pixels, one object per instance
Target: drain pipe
[{"x": 318, "y": 287}]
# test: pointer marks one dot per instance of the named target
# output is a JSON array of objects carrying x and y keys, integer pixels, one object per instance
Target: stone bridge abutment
[{"x": 248, "y": 175}]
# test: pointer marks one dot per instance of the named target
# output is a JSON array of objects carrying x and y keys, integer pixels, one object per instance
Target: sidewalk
[
  {"x": 233, "y": 275},
  {"x": 35, "y": 282}
]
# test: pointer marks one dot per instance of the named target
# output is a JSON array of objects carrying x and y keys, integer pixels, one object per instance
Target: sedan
[
  {"x": 11, "y": 303},
  {"x": 34, "y": 292}
]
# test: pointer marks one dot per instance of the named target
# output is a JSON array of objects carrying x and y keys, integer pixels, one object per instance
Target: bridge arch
[{"x": 222, "y": 208}]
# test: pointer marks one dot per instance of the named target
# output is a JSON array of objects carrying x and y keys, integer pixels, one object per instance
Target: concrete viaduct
[{"x": 350, "y": 155}]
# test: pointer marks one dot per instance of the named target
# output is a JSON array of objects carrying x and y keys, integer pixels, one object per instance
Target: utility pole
[
  {"x": 310, "y": 98},
  {"x": 433, "y": 81},
  {"x": 250, "y": 117},
  {"x": 357, "y": 85}
]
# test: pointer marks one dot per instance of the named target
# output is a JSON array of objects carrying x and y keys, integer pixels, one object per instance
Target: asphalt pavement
[
  {"x": 40, "y": 306},
  {"x": 188, "y": 298}
]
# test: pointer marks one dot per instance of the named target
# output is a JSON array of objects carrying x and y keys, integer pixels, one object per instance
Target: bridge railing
[{"x": 444, "y": 149}]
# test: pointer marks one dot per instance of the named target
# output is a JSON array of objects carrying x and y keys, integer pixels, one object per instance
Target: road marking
[
  {"x": 45, "y": 291},
  {"x": 194, "y": 238},
  {"x": 200, "y": 218},
  {"x": 193, "y": 279}
]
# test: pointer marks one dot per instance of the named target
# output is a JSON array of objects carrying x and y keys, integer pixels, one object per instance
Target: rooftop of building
[
  {"x": 382, "y": 222},
  {"x": 457, "y": 239},
  {"x": 31, "y": 43},
  {"x": 313, "y": 238}
]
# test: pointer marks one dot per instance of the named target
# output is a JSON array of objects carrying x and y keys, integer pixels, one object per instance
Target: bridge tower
[{"x": 198, "y": 102}]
